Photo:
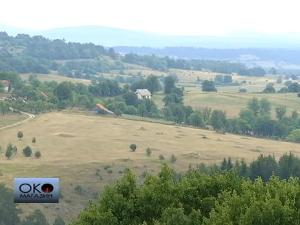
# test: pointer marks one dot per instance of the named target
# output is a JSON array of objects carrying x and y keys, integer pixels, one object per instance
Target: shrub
[
  {"x": 37, "y": 154},
  {"x": 78, "y": 190},
  {"x": 161, "y": 157},
  {"x": 107, "y": 167},
  {"x": 243, "y": 90},
  {"x": 118, "y": 112},
  {"x": 148, "y": 151},
  {"x": 27, "y": 151},
  {"x": 173, "y": 158},
  {"x": 20, "y": 134},
  {"x": 109, "y": 171},
  {"x": 133, "y": 147}
]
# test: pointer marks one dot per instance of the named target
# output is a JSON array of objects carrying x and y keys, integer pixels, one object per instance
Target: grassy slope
[
  {"x": 74, "y": 146},
  {"x": 11, "y": 118},
  {"x": 57, "y": 78}
]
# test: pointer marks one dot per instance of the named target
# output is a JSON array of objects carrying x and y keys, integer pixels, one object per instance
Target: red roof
[
  {"x": 103, "y": 108},
  {"x": 6, "y": 83}
]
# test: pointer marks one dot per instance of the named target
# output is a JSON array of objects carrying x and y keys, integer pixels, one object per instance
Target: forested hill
[
  {"x": 265, "y": 54},
  {"x": 37, "y": 54}
]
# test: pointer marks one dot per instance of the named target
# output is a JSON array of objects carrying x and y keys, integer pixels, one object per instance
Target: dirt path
[{"x": 30, "y": 117}]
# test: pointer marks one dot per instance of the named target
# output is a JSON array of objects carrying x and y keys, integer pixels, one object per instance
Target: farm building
[
  {"x": 6, "y": 85},
  {"x": 143, "y": 93},
  {"x": 100, "y": 108}
]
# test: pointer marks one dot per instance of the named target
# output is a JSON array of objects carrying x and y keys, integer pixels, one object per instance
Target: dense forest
[{"x": 37, "y": 54}]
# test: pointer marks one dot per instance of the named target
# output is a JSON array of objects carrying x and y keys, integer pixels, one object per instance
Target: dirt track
[{"x": 30, "y": 117}]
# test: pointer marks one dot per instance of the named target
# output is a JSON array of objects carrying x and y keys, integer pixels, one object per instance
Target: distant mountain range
[{"x": 109, "y": 36}]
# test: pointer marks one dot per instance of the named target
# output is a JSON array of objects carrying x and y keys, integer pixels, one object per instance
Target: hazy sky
[{"x": 186, "y": 17}]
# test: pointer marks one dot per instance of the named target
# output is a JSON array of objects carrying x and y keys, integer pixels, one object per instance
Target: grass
[
  {"x": 232, "y": 103},
  {"x": 11, "y": 118},
  {"x": 57, "y": 78}
]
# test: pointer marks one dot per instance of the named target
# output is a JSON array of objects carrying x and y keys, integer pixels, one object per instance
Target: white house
[
  {"x": 5, "y": 84},
  {"x": 143, "y": 94}
]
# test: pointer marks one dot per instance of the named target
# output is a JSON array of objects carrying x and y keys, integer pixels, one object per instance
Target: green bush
[
  {"x": 37, "y": 154},
  {"x": 148, "y": 151},
  {"x": 161, "y": 157},
  {"x": 27, "y": 151},
  {"x": 133, "y": 147}
]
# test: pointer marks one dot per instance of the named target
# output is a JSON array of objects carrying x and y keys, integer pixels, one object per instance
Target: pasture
[
  {"x": 92, "y": 151},
  {"x": 11, "y": 118},
  {"x": 57, "y": 78}
]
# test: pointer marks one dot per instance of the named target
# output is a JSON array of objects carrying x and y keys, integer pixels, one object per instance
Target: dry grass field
[
  {"x": 76, "y": 146},
  {"x": 232, "y": 103},
  {"x": 10, "y": 118},
  {"x": 57, "y": 78}
]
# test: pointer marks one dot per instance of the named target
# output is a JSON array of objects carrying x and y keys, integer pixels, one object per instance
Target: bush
[
  {"x": 133, "y": 147},
  {"x": 78, "y": 190},
  {"x": 27, "y": 151},
  {"x": 37, "y": 154},
  {"x": 33, "y": 140},
  {"x": 20, "y": 134},
  {"x": 173, "y": 158},
  {"x": 107, "y": 167},
  {"x": 109, "y": 171},
  {"x": 243, "y": 90},
  {"x": 148, "y": 151},
  {"x": 161, "y": 157},
  {"x": 118, "y": 112}
]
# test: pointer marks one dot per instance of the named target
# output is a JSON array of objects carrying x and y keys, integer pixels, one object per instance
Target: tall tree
[
  {"x": 254, "y": 105},
  {"x": 218, "y": 120},
  {"x": 169, "y": 84},
  {"x": 152, "y": 84},
  {"x": 130, "y": 98},
  {"x": 280, "y": 112},
  {"x": 208, "y": 86},
  {"x": 265, "y": 106},
  {"x": 64, "y": 91}
]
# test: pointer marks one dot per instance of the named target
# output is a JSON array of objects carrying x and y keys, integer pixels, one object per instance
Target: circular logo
[{"x": 47, "y": 188}]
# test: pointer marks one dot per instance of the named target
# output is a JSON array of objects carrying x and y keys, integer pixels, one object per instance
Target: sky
[{"x": 188, "y": 17}]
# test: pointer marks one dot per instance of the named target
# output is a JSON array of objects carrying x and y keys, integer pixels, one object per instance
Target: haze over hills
[{"x": 109, "y": 36}]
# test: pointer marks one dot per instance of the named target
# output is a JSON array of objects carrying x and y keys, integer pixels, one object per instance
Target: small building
[
  {"x": 143, "y": 94},
  {"x": 98, "y": 108},
  {"x": 6, "y": 85}
]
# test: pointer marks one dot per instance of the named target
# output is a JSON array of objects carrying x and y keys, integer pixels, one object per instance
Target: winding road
[{"x": 30, "y": 117}]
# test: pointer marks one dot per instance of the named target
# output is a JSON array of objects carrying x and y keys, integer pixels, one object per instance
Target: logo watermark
[{"x": 36, "y": 190}]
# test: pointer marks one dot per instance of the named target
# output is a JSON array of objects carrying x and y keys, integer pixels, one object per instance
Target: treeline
[
  {"x": 163, "y": 64},
  {"x": 41, "y": 47},
  {"x": 195, "y": 198},
  {"x": 37, "y": 54},
  {"x": 285, "y": 55},
  {"x": 25, "y": 54},
  {"x": 255, "y": 120},
  {"x": 263, "y": 167}
]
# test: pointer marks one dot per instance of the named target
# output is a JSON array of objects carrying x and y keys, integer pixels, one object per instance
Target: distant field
[
  {"x": 51, "y": 77},
  {"x": 232, "y": 103}
]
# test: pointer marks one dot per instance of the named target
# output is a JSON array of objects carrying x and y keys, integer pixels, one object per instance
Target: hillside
[{"x": 82, "y": 153}]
